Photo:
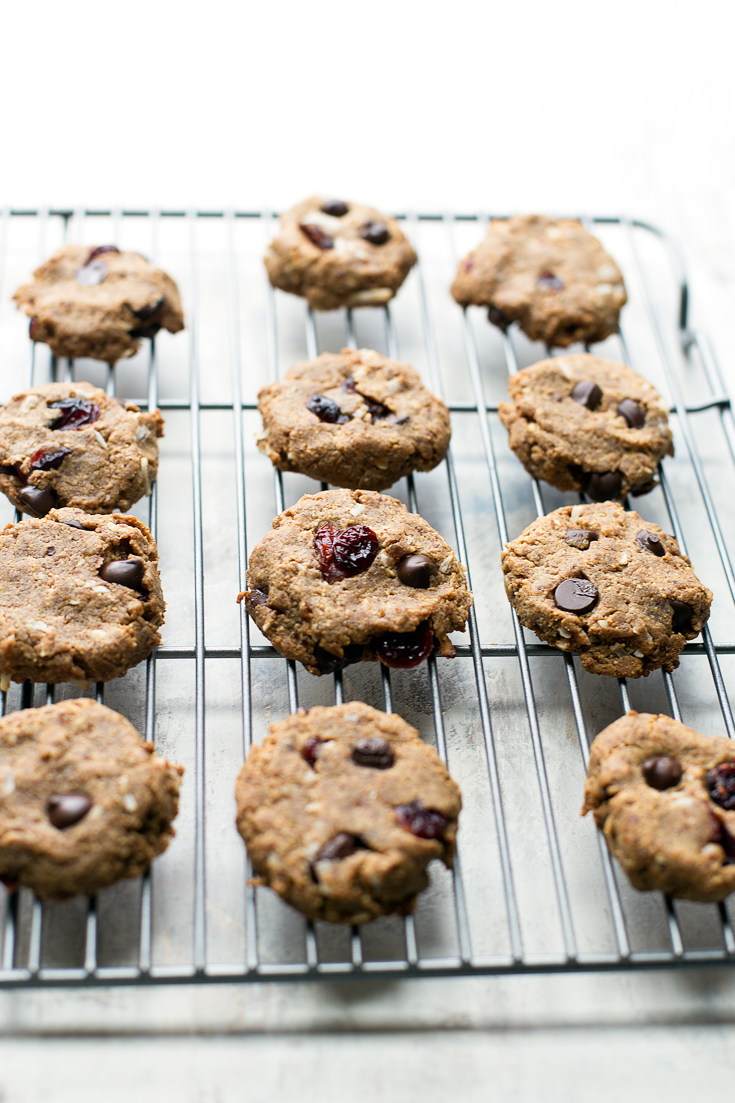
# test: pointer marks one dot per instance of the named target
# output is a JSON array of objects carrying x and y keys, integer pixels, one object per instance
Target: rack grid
[{"x": 533, "y": 890}]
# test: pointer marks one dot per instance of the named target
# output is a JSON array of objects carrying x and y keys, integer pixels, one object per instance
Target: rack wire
[{"x": 534, "y": 888}]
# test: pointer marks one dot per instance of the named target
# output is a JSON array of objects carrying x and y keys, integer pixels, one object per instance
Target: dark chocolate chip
[
  {"x": 73, "y": 525},
  {"x": 576, "y": 595},
  {"x": 721, "y": 785},
  {"x": 496, "y": 316},
  {"x": 257, "y": 597},
  {"x": 642, "y": 488},
  {"x": 648, "y": 541},
  {"x": 51, "y": 550},
  {"x": 683, "y": 613},
  {"x": 328, "y": 663},
  {"x": 336, "y": 207},
  {"x": 425, "y": 823},
  {"x": 341, "y": 846},
  {"x": 147, "y": 312},
  {"x": 587, "y": 393},
  {"x": 310, "y": 749},
  {"x": 634, "y": 414},
  {"x": 100, "y": 249},
  {"x": 377, "y": 233},
  {"x": 662, "y": 772},
  {"x": 36, "y": 500},
  {"x": 549, "y": 282},
  {"x": 326, "y": 409},
  {"x": 417, "y": 570},
  {"x": 139, "y": 332},
  {"x": 66, "y": 810},
  {"x": 125, "y": 572},
  {"x": 317, "y": 236},
  {"x": 603, "y": 487},
  {"x": 373, "y": 751},
  {"x": 581, "y": 538},
  {"x": 92, "y": 274}
]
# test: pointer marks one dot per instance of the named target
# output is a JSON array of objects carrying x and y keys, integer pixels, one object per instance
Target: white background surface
[{"x": 556, "y": 106}]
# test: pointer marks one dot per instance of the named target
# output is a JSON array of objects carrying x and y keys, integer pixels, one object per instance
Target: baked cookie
[
  {"x": 603, "y": 583},
  {"x": 69, "y": 444},
  {"x": 588, "y": 424},
  {"x": 355, "y": 419},
  {"x": 80, "y": 597},
  {"x": 335, "y": 254},
  {"x": 83, "y": 800},
  {"x": 99, "y": 302},
  {"x": 547, "y": 274},
  {"x": 349, "y": 576},
  {"x": 342, "y": 809},
  {"x": 664, "y": 796}
]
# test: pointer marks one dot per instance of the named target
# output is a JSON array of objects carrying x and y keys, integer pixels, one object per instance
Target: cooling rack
[{"x": 533, "y": 889}]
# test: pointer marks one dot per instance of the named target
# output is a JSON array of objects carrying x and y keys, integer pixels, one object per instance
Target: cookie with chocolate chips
[
  {"x": 342, "y": 809},
  {"x": 69, "y": 444},
  {"x": 80, "y": 597},
  {"x": 334, "y": 253},
  {"x": 587, "y": 424},
  {"x": 355, "y": 420},
  {"x": 601, "y": 582},
  {"x": 349, "y": 576},
  {"x": 664, "y": 797},
  {"x": 83, "y": 800},
  {"x": 547, "y": 274},
  {"x": 98, "y": 301}
]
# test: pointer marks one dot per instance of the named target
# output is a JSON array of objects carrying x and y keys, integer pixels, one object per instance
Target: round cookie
[
  {"x": 547, "y": 274},
  {"x": 603, "y": 583},
  {"x": 97, "y": 301},
  {"x": 355, "y": 420},
  {"x": 342, "y": 809},
  {"x": 80, "y": 597},
  {"x": 83, "y": 800},
  {"x": 348, "y": 576},
  {"x": 69, "y": 444},
  {"x": 587, "y": 424},
  {"x": 334, "y": 254},
  {"x": 664, "y": 796}
]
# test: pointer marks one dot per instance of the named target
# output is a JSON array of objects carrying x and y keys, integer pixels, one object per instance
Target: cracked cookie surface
[
  {"x": 353, "y": 419},
  {"x": 349, "y": 576},
  {"x": 342, "y": 809},
  {"x": 84, "y": 801},
  {"x": 547, "y": 274},
  {"x": 98, "y": 301},
  {"x": 80, "y": 597},
  {"x": 336, "y": 253},
  {"x": 601, "y": 582}
]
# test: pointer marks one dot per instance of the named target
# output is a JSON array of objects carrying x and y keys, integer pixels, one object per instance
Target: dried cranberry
[
  {"x": 549, "y": 281},
  {"x": 47, "y": 458},
  {"x": 345, "y": 553},
  {"x": 317, "y": 236},
  {"x": 406, "y": 649},
  {"x": 721, "y": 785},
  {"x": 496, "y": 316},
  {"x": 99, "y": 249},
  {"x": 326, "y": 409},
  {"x": 377, "y": 410},
  {"x": 426, "y": 823},
  {"x": 144, "y": 331},
  {"x": 77, "y": 413},
  {"x": 33, "y": 328},
  {"x": 10, "y": 883},
  {"x": 721, "y": 835},
  {"x": 310, "y": 749}
]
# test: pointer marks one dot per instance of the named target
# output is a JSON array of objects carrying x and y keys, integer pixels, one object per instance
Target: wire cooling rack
[{"x": 533, "y": 888}]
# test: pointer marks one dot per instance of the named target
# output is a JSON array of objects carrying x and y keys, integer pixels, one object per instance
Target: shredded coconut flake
[
  {"x": 639, "y": 655},
  {"x": 357, "y": 510},
  {"x": 565, "y": 633},
  {"x": 144, "y": 469},
  {"x": 129, "y": 802},
  {"x": 39, "y": 624},
  {"x": 8, "y": 783},
  {"x": 100, "y": 439},
  {"x": 446, "y": 563},
  {"x": 576, "y": 513},
  {"x": 141, "y": 432},
  {"x": 4, "y": 682}
]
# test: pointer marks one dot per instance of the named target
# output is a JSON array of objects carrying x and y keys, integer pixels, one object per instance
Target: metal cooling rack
[{"x": 533, "y": 888}]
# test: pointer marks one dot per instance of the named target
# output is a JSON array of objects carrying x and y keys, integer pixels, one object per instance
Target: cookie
[
  {"x": 97, "y": 301},
  {"x": 342, "y": 809},
  {"x": 336, "y": 254},
  {"x": 664, "y": 797},
  {"x": 69, "y": 444},
  {"x": 587, "y": 424},
  {"x": 83, "y": 800},
  {"x": 547, "y": 274},
  {"x": 607, "y": 585},
  {"x": 355, "y": 420},
  {"x": 80, "y": 597},
  {"x": 349, "y": 576}
]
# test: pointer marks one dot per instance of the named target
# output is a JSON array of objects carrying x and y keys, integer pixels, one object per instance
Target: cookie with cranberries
[
  {"x": 587, "y": 424},
  {"x": 336, "y": 253},
  {"x": 80, "y": 597},
  {"x": 342, "y": 809},
  {"x": 350, "y": 575},
  {"x": 548, "y": 275},
  {"x": 85, "y": 802},
  {"x": 353, "y": 419},
  {"x": 70, "y": 444},
  {"x": 100, "y": 302},
  {"x": 664, "y": 797},
  {"x": 601, "y": 582}
]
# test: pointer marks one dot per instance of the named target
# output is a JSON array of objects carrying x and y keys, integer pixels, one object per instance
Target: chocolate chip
[
  {"x": 326, "y": 409},
  {"x": 661, "y": 772},
  {"x": 317, "y": 236},
  {"x": 92, "y": 274},
  {"x": 425, "y": 823},
  {"x": 341, "y": 846},
  {"x": 99, "y": 249},
  {"x": 66, "y": 810},
  {"x": 634, "y": 414},
  {"x": 336, "y": 207},
  {"x": 416, "y": 570},
  {"x": 548, "y": 281},
  {"x": 125, "y": 572},
  {"x": 310, "y": 749},
  {"x": 146, "y": 312},
  {"x": 373, "y": 751},
  {"x": 139, "y": 332},
  {"x": 328, "y": 663},
  {"x": 642, "y": 488},
  {"x": 377, "y": 233},
  {"x": 683, "y": 613},
  {"x": 576, "y": 595},
  {"x": 581, "y": 538},
  {"x": 587, "y": 393},
  {"x": 496, "y": 316},
  {"x": 721, "y": 785},
  {"x": 36, "y": 500},
  {"x": 648, "y": 541},
  {"x": 73, "y": 525},
  {"x": 603, "y": 487},
  {"x": 51, "y": 550},
  {"x": 257, "y": 597}
]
